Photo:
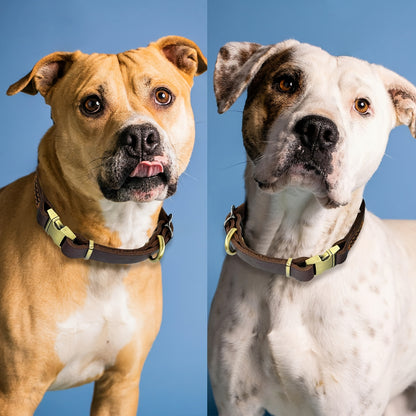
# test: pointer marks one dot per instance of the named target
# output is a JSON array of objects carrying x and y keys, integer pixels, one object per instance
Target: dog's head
[
  {"x": 123, "y": 124},
  {"x": 312, "y": 120}
]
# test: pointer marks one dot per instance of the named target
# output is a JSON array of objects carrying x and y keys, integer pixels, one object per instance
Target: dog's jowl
[
  {"x": 82, "y": 301},
  {"x": 314, "y": 313}
]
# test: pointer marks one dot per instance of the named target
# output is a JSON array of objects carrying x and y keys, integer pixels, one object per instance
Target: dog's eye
[
  {"x": 163, "y": 96},
  {"x": 361, "y": 105},
  {"x": 91, "y": 105},
  {"x": 286, "y": 84}
]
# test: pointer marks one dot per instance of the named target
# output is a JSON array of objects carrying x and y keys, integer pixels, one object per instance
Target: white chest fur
[
  {"x": 131, "y": 220},
  {"x": 90, "y": 339}
]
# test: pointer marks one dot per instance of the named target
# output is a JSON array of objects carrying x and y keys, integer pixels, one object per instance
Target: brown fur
[{"x": 264, "y": 103}]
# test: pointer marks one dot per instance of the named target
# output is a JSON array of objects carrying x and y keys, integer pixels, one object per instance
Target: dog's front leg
[{"x": 115, "y": 395}]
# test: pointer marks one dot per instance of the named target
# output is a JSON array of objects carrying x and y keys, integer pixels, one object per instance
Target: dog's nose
[
  {"x": 317, "y": 131},
  {"x": 140, "y": 139}
]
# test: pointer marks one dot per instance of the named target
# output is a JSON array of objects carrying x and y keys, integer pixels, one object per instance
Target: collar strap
[
  {"x": 303, "y": 269},
  {"x": 77, "y": 247}
]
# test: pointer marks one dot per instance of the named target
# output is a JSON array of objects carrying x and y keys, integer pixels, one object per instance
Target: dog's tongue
[{"x": 147, "y": 169}]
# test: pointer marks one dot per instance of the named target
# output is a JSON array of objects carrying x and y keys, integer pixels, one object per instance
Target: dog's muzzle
[{"x": 139, "y": 169}]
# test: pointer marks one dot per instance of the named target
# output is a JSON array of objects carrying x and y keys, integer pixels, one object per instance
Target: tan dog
[{"x": 123, "y": 133}]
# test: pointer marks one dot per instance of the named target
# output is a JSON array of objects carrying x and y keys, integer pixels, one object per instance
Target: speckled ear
[
  {"x": 237, "y": 64},
  {"x": 403, "y": 95}
]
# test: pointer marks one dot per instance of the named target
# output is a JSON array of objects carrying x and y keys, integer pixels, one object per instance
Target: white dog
[{"x": 326, "y": 335}]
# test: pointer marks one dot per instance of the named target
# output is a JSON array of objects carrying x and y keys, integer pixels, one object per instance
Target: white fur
[
  {"x": 343, "y": 344},
  {"x": 90, "y": 339},
  {"x": 131, "y": 220}
]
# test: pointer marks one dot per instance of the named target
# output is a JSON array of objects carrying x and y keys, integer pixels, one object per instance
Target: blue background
[
  {"x": 174, "y": 375},
  {"x": 382, "y": 32}
]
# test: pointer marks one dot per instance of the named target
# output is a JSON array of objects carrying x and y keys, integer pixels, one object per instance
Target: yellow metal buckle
[
  {"x": 227, "y": 246},
  {"x": 161, "y": 251},
  {"x": 56, "y": 230},
  {"x": 324, "y": 261}
]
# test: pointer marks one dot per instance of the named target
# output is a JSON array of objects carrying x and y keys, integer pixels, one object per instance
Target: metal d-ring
[
  {"x": 161, "y": 251},
  {"x": 227, "y": 242}
]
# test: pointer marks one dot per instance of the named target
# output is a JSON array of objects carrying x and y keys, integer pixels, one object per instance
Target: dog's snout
[
  {"x": 140, "y": 139},
  {"x": 317, "y": 132}
]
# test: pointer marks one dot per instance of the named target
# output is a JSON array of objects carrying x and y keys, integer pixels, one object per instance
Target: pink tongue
[{"x": 147, "y": 169}]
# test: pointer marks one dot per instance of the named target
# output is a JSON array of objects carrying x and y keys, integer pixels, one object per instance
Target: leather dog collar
[
  {"x": 77, "y": 247},
  {"x": 303, "y": 269}
]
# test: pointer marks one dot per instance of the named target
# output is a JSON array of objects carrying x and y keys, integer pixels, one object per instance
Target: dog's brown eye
[
  {"x": 91, "y": 105},
  {"x": 286, "y": 84},
  {"x": 163, "y": 96},
  {"x": 361, "y": 105}
]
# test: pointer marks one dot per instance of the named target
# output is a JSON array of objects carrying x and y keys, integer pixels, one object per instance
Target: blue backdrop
[
  {"x": 174, "y": 375},
  {"x": 383, "y": 32}
]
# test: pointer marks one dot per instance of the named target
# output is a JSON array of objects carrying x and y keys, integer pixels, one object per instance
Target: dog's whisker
[
  {"x": 234, "y": 165},
  {"x": 190, "y": 176}
]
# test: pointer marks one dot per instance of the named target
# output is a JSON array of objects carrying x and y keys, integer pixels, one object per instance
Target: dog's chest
[
  {"x": 289, "y": 345},
  {"x": 89, "y": 340}
]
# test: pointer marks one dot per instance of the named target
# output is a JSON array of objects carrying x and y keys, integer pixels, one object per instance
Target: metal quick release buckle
[
  {"x": 324, "y": 261},
  {"x": 56, "y": 230}
]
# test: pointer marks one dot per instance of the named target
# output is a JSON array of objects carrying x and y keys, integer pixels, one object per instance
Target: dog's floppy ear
[
  {"x": 183, "y": 53},
  {"x": 403, "y": 95},
  {"x": 237, "y": 64},
  {"x": 44, "y": 74}
]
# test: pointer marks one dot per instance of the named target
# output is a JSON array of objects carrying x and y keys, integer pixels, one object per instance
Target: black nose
[
  {"x": 317, "y": 132},
  {"x": 140, "y": 139}
]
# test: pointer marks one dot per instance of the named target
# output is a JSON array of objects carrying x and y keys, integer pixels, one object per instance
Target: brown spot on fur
[
  {"x": 225, "y": 54},
  {"x": 244, "y": 56},
  {"x": 404, "y": 95},
  {"x": 264, "y": 103},
  {"x": 375, "y": 289},
  {"x": 147, "y": 81}
]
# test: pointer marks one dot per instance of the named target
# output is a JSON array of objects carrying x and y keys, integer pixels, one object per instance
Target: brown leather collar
[
  {"x": 302, "y": 268},
  {"x": 77, "y": 247}
]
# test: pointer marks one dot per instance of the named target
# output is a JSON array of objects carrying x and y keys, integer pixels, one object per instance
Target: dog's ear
[
  {"x": 44, "y": 74},
  {"x": 183, "y": 53},
  {"x": 403, "y": 95},
  {"x": 237, "y": 64}
]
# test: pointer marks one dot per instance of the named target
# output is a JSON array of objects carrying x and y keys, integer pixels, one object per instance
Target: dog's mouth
[
  {"x": 139, "y": 181},
  {"x": 302, "y": 172}
]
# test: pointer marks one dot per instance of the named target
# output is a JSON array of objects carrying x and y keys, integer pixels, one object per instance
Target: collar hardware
[
  {"x": 56, "y": 230},
  {"x": 302, "y": 269},
  {"x": 324, "y": 261},
  {"x": 161, "y": 250},
  {"x": 229, "y": 236}
]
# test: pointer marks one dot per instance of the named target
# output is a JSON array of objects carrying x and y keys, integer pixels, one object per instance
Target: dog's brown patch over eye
[
  {"x": 275, "y": 87},
  {"x": 286, "y": 84}
]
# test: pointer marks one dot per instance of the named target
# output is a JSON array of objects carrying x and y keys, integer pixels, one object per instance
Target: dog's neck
[
  {"x": 292, "y": 223},
  {"x": 115, "y": 224}
]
